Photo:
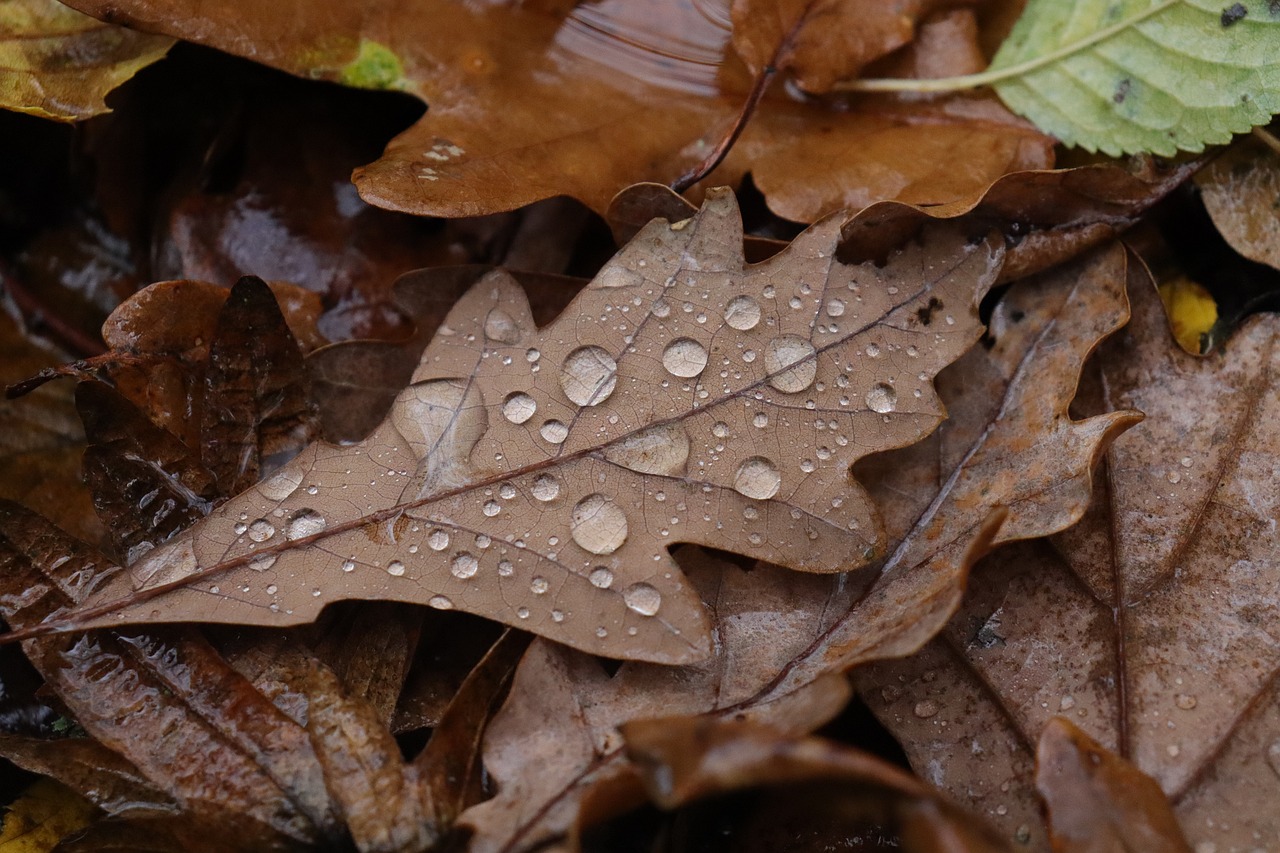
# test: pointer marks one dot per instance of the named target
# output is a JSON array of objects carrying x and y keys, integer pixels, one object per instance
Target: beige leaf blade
[
  {"x": 58, "y": 63},
  {"x": 1148, "y": 625},
  {"x": 784, "y": 638},
  {"x": 539, "y": 477}
]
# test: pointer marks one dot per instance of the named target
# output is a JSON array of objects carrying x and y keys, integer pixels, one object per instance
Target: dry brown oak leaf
[
  {"x": 1007, "y": 443},
  {"x": 1149, "y": 625},
  {"x": 529, "y": 101},
  {"x": 539, "y": 477}
]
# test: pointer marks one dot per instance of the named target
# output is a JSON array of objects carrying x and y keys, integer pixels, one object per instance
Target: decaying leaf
[
  {"x": 781, "y": 635},
  {"x": 855, "y": 796},
  {"x": 1147, "y": 625},
  {"x": 538, "y": 477},
  {"x": 1096, "y": 800},
  {"x": 37, "y": 820},
  {"x": 41, "y": 438},
  {"x": 529, "y": 101},
  {"x": 1241, "y": 190},
  {"x": 58, "y": 63},
  {"x": 557, "y": 736}
]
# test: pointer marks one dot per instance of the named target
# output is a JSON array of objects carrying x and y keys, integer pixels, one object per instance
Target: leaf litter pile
[{"x": 709, "y": 426}]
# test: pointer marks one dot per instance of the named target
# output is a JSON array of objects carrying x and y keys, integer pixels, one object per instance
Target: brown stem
[{"x": 712, "y": 160}]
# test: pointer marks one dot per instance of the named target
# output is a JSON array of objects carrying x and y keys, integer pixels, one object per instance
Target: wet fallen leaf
[
  {"x": 60, "y": 64},
  {"x": 1241, "y": 190},
  {"x": 848, "y": 793},
  {"x": 781, "y": 635},
  {"x": 529, "y": 102},
  {"x": 538, "y": 477},
  {"x": 1047, "y": 217},
  {"x": 1146, "y": 625},
  {"x": 41, "y": 438},
  {"x": 1097, "y": 801}
]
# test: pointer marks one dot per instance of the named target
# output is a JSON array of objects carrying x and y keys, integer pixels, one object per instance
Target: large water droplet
[
  {"x": 601, "y": 577},
  {"x": 264, "y": 562},
  {"x": 554, "y": 432},
  {"x": 261, "y": 530},
  {"x": 438, "y": 540},
  {"x": 440, "y": 602},
  {"x": 464, "y": 566},
  {"x": 598, "y": 524},
  {"x": 925, "y": 709},
  {"x": 491, "y": 508},
  {"x": 757, "y": 478},
  {"x": 790, "y": 362},
  {"x": 539, "y": 586},
  {"x": 280, "y": 485},
  {"x": 684, "y": 357},
  {"x": 742, "y": 313},
  {"x": 519, "y": 407},
  {"x": 642, "y": 598},
  {"x": 588, "y": 376},
  {"x": 546, "y": 488},
  {"x": 395, "y": 568},
  {"x": 660, "y": 450},
  {"x": 303, "y": 523},
  {"x": 501, "y": 327},
  {"x": 881, "y": 398}
]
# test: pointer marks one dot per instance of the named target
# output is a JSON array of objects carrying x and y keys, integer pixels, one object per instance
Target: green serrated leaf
[{"x": 1128, "y": 76}]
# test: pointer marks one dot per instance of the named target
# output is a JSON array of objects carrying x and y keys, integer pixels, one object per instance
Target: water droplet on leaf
[
  {"x": 642, "y": 598},
  {"x": 685, "y": 358},
  {"x": 742, "y": 313},
  {"x": 598, "y": 524},
  {"x": 790, "y": 362},
  {"x": 757, "y": 478},
  {"x": 519, "y": 407},
  {"x": 588, "y": 376}
]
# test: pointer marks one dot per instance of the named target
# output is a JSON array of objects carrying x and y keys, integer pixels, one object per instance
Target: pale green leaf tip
[{"x": 376, "y": 66}]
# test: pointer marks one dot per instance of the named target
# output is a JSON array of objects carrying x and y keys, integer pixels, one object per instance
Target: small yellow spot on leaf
[{"x": 1192, "y": 313}]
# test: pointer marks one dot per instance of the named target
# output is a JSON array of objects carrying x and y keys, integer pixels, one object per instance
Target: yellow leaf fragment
[
  {"x": 1192, "y": 312},
  {"x": 40, "y": 818},
  {"x": 58, "y": 63}
]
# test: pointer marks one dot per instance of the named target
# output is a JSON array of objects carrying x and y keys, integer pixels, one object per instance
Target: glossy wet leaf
[
  {"x": 538, "y": 477},
  {"x": 782, "y": 635},
  {"x": 859, "y": 797},
  {"x": 1146, "y": 624},
  {"x": 41, "y": 439},
  {"x": 1142, "y": 75},
  {"x": 530, "y": 101},
  {"x": 58, "y": 63}
]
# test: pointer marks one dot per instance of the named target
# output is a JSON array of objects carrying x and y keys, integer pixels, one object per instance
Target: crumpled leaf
[
  {"x": 1142, "y": 75},
  {"x": 529, "y": 102},
  {"x": 1147, "y": 625},
  {"x": 1241, "y": 191},
  {"x": 1097, "y": 801},
  {"x": 538, "y": 477},
  {"x": 168, "y": 703},
  {"x": 60, "y": 64},
  {"x": 849, "y": 793},
  {"x": 781, "y": 635}
]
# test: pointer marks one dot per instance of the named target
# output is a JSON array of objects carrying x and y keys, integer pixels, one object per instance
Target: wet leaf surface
[
  {"x": 857, "y": 796},
  {"x": 781, "y": 636},
  {"x": 1144, "y": 625},
  {"x": 531, "y": 476},
  {"x": 528, "y": 102}
]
